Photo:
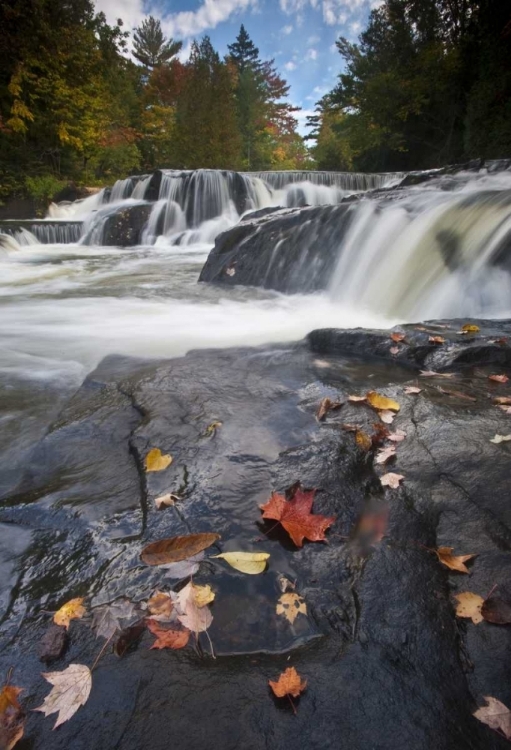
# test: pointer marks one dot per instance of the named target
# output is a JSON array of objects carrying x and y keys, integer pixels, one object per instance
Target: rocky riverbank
[{"x": 387, "y": 661}]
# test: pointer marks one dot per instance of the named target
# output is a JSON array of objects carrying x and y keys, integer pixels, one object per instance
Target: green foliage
[
  {"x": 43, "y": 188},
  {"x": 151, "y": 47},
  {"x": 428, "y": 83}
]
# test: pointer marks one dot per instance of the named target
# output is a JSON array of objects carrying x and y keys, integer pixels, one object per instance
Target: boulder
[
  {"x": 124, "y": 227},
  {"x": 387, "y": 661}
]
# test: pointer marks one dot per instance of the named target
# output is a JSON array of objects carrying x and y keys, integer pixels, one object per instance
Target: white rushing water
[{"x": 66, "y": 306}]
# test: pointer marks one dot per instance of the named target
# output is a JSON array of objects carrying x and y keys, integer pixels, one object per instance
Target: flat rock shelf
[{"x": 387, "y": 662}]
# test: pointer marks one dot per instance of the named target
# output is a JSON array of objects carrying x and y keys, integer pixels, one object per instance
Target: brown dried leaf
[
  {"x": 451, "y": 561},
  {"x": 385, "y": 454},
  {"x": 357, "y": 399},
  {"x": 496, "y": 715},
  {"x": 165, "y": 501},
  {"x": 71, "y": 610},
  {"x": 289, "y": 683},
  {"x": 502, "y": 400},
  {"x": 160, "y": 605},
  {"x": 506, "y": 409},
  {"x": 391, "y": 480},
  {"x": 397, "y": 337},
  {"x": 291, "y": 605},
  {"x": 197, "y": 619},
  {"x": 177, "y": 548},
  {"x": 397, "y": 437},
  {"x": 456, "y": 394},
  {"x": 387, "y": 416},
  {"x": 433, "y": 374},
  {"x": 498, "y": 378},
  {"x": 325, "y": 406},
  {"x": 469, "y": 606},
  {"x": 381, "y": 403},
  {"x": 166, "y": 638},
  {"x": 412, "y": 390},
  {"x": 497, "y": 610},
  {"x": 380, "y": 434},
  {"x": 349, "y": 427},
  {"x": 363, "y": 440},
  {"x": 436, "y": 340},
  {"x": 12, "y": 717},
  {"x": 156, "y": 460}
]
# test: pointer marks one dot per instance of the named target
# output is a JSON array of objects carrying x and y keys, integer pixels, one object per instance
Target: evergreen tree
[
  {"x": 151, "y": 47},
  {"x": 244, "y": 53}
]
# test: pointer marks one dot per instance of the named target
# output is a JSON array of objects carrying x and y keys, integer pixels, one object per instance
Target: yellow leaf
[
  {"x": 451, "y": 561},
  {"x": 246, "y": 562},
  {"x": 291, "y": 605},
  {"x": 363, "y": 440},
  {"x": 469, "y": 605},
  {"x": 72, "y": 610},
  {"x": 470, "y": 328},
  {"x": 156, "y": 460},
  {"x": 212, "y": 428},
  {"x": 381, "y": 403},
  {"x": 203, "y": 595}
]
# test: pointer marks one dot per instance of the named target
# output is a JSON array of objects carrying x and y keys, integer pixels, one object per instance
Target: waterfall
[
  {"x": 353, "y": 182},
  {"x": 43, "y": 232}
]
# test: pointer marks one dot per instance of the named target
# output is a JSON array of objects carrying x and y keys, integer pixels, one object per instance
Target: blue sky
[{"x": 299, "y": 34}]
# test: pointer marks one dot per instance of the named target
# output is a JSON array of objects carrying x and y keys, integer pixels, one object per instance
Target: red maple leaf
[{"x": 296, "y": 517}]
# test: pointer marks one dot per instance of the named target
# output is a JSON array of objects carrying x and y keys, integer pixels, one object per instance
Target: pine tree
[
  {"x": 243, "y": 52},
  {"x": 151, "y": 47}
]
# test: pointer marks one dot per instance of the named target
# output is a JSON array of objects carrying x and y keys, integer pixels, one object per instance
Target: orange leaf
[
  {"x": 296, "y": 517},
  {"x": 325, "y": 406},
  {"x": 498, "y": 378},
  {"x": 397, "y": 337},
  {"x": 381, "y": 403},
  {"x": 289, "y": 683},
  {"x": 363, "y": 440},
  {"x": 168, "y": 638},
  {"x": 451, "y": 561},
  {"x": 177, "y": 548},
  {"x": 506, "y": 400},
  {"x": 72, "y": 610},
  {"x": 12, "y": 717},
  {"x": 436, "y": 340}
]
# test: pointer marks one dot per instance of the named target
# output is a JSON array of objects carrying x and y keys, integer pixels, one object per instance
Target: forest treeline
[
  {"x": 428, "y": 84},
  {"x": 75, "y": 106}
]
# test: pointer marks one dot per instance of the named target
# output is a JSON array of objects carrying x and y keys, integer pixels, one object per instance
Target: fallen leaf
[
  {"x": 161, "y": 606},
  {"x": 184, "y": 568},
  {"x": 469, "y": 605},
  {"x": 177, "y": 548},
  {"x": 502, "y": 400},
  {"x": 397, "y": 337},
  {"x": 285, "y": 584},
  {"x": 212, "y": 428},
  {"x": 165, "y": 501},
  {"x": 289, "y": 683},
  {"x": 412, "y": 390},
  {"x": 71, "y": 610},
  {"x": 108, "y": 619},
  {"x": 380, "y": 434},
  {"x": 394, "y": 350},
  {"x": 321, "y": 363},
  {"x": 197, "y": 619},
  {"x": 451, "y": 561},
  {"x": 203, "y": 594},
  {"x": 53, "y": 644},
  {"x": 501, "y": 342},
  {"x": 469, "y": 328},
  {"x": 71, "y": 689},
  {"x": 436, "y": 340},
  {"x": 291, "y": 605},
  {"x": 396, "y": 437},
  {"x": 350, "y": 427},
  {"x": 500, "y": 439},
  {"x": 381, "y": 403},
  {"x": 385, "y": 454},
  {"x": 357, "y": 399},
  {"x": 373, "y": 525},
  {"x": 496, "y": 610},
  {"x": 325, "y": 406},
  {"x": 496, "y": 715},
  {"x": 156, "y": 460},
  {"x": 387, "y": 416},
  {"x": 129, "y": 637},
  {"x": 363, "y": 440},
  {"x": 230, "y": 271},
  {"x": 456, "y": 394},
  {"x": 166, "y": 638},
  {"x": 506, "y": 409},
  {"x": 420, "y": 328},
  {"x": 12, "y": 717},
  {"x": 246, "y": 562},
  {"x": 391, "y": 480},
  {"x": 498, "y": 378},
  {"x": 296, "y": 517},
  {"x": 432, "y": 374}
]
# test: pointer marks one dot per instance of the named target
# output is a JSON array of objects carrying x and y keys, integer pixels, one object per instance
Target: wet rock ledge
[{"x": 387, "y": 661}]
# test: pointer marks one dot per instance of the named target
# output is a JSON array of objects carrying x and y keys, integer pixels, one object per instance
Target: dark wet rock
[
  {"x": 387, "y": 662},
  {"x": 279, "y": 249},
  {"x": 124, "y": 228},
  {"x": 53, "y": 644},
  {"x": 152, "y": 191},
  {"x": 73, "y": 192}
]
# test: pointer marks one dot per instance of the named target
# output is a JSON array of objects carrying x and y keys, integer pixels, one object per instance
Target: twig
[
  {"x": 292, "y": 704},
  {"x": 98, "y": 657}
]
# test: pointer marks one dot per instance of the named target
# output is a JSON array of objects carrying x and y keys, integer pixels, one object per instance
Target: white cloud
[
  {"x": 290, "y": 65},
  {"x": 287, "y": 29},
  {"x": 311, "y": 54},
  {"x": 302, "y": 118},
  {"x": 334, "y": 11},
  {"x": 178, "y": 25},
  {"x": 313, "y": 40}
]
